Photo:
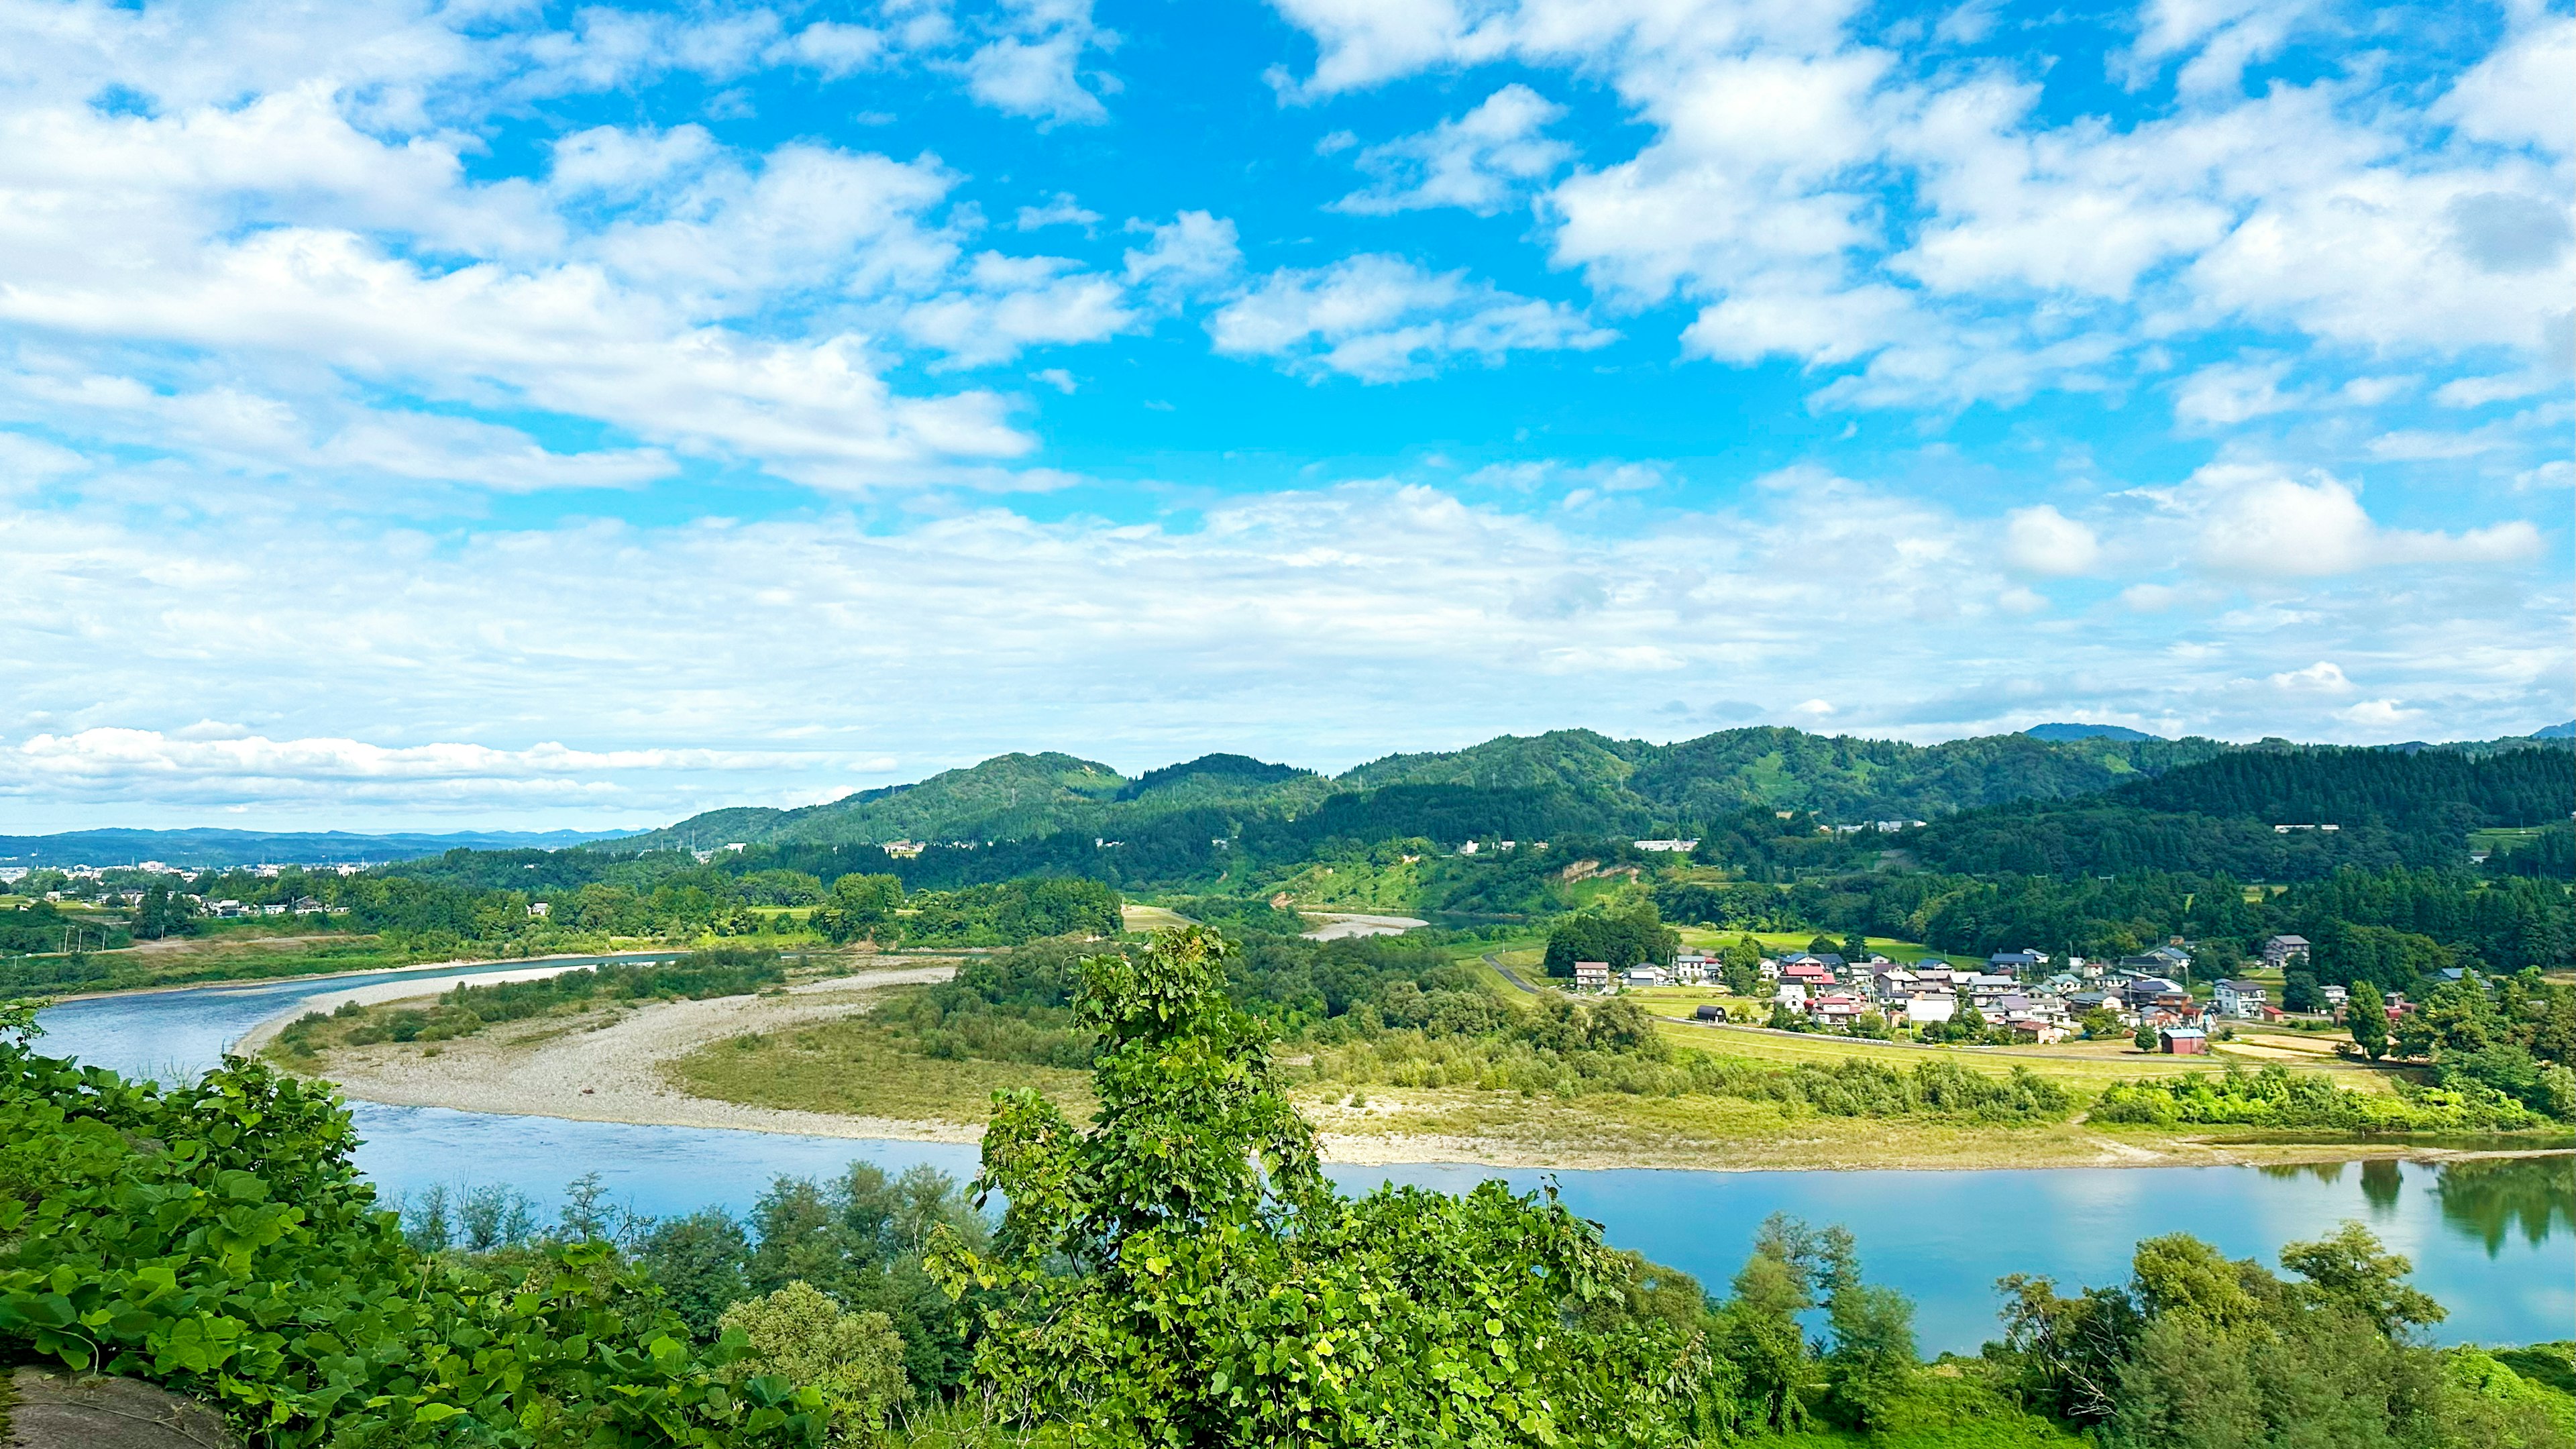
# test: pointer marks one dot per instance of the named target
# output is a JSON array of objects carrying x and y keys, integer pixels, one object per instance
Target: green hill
[
  {"x": 1561, "y": 780},
  {"x": 1005, "y": 797}
]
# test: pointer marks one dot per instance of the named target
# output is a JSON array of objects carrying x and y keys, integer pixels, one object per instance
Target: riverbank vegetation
[
  {"x": 1174, "y": 1271},
  {"x": 468, "y": 1007}
]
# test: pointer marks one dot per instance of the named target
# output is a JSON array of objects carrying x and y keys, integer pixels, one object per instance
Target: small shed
[{"x": 2183, "y": 1041}]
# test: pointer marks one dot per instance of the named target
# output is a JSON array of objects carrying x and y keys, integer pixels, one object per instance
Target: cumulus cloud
[
  {"x": 2258, "y": 522},
  {"x": 2031, "y": 250},
  {"x": 1383, "y": 319},
  {"x": 1481, "y": 161},
  {"x": 2045, "y": 541},
  {"x": 1192, "y": 252}
]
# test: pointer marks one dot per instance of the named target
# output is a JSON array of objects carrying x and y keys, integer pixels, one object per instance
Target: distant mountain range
[
  {"x": 263, "y": 847},
  {"x": 1630, "y": 786},
  {"x": 1561, "y": 780}
]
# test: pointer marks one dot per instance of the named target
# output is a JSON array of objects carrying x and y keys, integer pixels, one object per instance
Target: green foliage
[
  {"x": 859, "y": 906},
  {"x": 2278, "y": 1097},
  {"x": 2216, "y": 816},
  {"x": 1010, "y": 912},
  {"x": 1623, "y": 937},
  {"x": 1848, "y": 1087},
  {"x": 1180, "y": 1273},
  {"x": 854, "y": 1359},
  {"x": 2366, "y": 1014},
  {"x": 215, "y": 1238},
  {"x": 2197, "y": 1351}
]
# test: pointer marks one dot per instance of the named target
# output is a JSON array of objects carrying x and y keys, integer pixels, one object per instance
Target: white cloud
[
  {"x": 1016, "y": 303},
  {"x": 2379, "y": 714},
  {"x": 2518, "y": 95},
  {"x": 2045, "y": 541},
  {"x": 1481, "y": 161},
  {"x": 1383, "y": 319},
  {"x": 2030, "y": 250},
  {"x": 2233, "y": 392},
  {"x": 1193, "y": 251},
  {"x": 1422, "y": 609},
  {"x": 1061, "y": 210},
  {"x": 2323, "y": 677},
  {"x": 833, "y": 48},
  {"x": 2257, "y": 522},
  {"x": 2477, "y": 392},
  {"x": 1033, "y": 68}
]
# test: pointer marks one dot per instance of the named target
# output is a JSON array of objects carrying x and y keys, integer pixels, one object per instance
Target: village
[{"x": 2020, "y": 996}]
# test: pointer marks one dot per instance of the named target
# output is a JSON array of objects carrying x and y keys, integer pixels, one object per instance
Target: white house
[
  {"x": 2280, "y": 951},
  {"x": 2241, "y": 998},
  {"x": 1591, "y": 975},
  {"x": 1791, "y": 995},
  {"x": 1692, "y": 970},
  {"x": 1645, "y": 976},
  {"x": 1930, "y": 1007}
]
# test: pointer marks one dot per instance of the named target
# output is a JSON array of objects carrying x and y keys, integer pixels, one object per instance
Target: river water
[{"x": 2490, "y": 1239}]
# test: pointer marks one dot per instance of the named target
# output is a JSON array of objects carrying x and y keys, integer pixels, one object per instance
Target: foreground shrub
[{"x": 215, "y": 1237}]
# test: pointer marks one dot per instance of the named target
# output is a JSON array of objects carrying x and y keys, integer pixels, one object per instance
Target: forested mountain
[
  {"x": 1004, "y": 797},
  {"x": 1564, "y": 780},
  {"x": 208, "y": 847},
  {"x": 2387, "y": 807}
]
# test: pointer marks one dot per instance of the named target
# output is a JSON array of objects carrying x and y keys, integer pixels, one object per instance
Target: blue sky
[{"x": 505, "y": 414}]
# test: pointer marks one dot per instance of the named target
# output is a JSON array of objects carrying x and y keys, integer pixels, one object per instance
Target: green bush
[
  {"x": 2279, "y": 1097},
  {"x": 215, "y": 1237}
]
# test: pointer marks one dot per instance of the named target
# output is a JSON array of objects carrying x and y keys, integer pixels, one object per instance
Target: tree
[
  {"x": 2146, "y": 1037},
  {"x": 2300, "y": 992},
  {"x": 2367, "y": 1014},
  {"x": 1634, "y": 937},
  {"x": 701, "y": 1261},
  {"x": 1181, "y": 1274},
  {"x": 2350, "y": 1271},
  {"x": 854, "y": 1359},
  {"x": 1742, "y": 964},
  {"x": 858, "y": 906},
  {"x": 1758, "y": 1327},
  {"x": 1871, "y": 1365}
]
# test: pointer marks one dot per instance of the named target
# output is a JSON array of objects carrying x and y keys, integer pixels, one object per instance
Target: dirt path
[{"x": 611, "y": 1069}]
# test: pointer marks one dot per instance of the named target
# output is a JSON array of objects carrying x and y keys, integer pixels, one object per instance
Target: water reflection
[
  {"x": 2383, "y": 1179},
  {"x": 2487, "y": 1199}
]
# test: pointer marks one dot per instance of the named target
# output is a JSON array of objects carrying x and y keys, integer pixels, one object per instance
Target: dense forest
[{"x": 2222, "y": 816}]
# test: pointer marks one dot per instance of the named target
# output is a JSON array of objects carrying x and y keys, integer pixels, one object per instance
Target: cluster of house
[
  {"x": 2013, "y": 990},
  {"x": 227, "y": 910},
  {"x": 12, "y": 874}
]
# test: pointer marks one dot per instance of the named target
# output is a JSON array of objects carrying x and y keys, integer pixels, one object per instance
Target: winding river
[{"x": 2489, "y": 1238}]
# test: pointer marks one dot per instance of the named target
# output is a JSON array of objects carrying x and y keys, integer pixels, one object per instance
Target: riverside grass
[{"x": 851, "y": 1067}]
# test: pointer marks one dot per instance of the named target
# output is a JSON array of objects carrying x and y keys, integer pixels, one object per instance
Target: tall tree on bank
[{"x": 1180, "y": 1273}]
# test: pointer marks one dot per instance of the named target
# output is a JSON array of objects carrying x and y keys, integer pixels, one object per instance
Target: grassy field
[
  {"x": 1776, "y": 942},
  {"x": 1150, "y": 918},
  {"x": 848, "y": 1067}
]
